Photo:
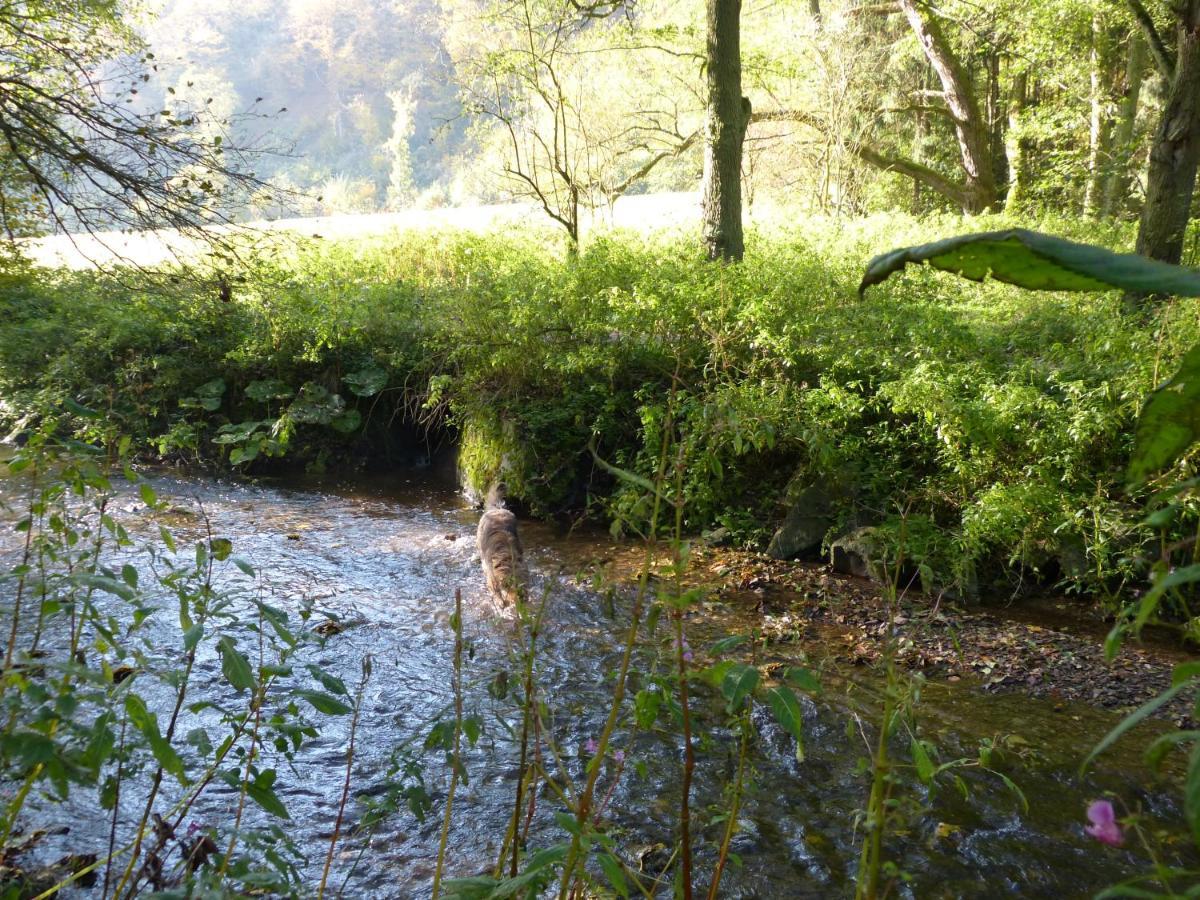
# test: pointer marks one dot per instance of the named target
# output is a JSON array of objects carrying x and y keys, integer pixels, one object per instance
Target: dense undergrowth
[{"x": 982, "y": 428}]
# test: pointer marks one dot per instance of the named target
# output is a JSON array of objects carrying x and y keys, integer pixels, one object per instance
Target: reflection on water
[{"x": 385, "y": 558}]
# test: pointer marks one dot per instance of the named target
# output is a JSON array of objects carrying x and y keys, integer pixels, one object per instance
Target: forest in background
[{"x": 392, "y": 104}]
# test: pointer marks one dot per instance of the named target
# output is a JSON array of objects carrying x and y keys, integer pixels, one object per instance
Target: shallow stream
[{"x": 383, "y": 558}]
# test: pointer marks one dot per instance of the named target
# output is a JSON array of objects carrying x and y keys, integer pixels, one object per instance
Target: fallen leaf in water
[{"x": 945, "y": 830}]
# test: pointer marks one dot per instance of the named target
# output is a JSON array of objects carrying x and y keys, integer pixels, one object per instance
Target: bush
[{"x": 998, "y": 420}]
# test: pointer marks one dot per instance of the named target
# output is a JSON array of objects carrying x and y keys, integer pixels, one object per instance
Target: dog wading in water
[{"x": 500, "y": 548}]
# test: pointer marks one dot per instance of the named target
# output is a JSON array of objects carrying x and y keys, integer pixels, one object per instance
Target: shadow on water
[{"x": 384, "y": 557}]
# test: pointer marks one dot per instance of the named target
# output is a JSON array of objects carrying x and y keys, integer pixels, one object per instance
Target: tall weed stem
[
  {"x": 337, "y": 825},
  {"x": 457, "y": 761}
]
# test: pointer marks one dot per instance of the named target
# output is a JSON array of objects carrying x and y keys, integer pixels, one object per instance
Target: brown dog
[{"x": 500, "y": 548}]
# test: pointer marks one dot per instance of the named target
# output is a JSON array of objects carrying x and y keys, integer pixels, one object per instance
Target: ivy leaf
[
  {"x": 1038, "y": 262},
  {"x": 1169, "y": 423}
]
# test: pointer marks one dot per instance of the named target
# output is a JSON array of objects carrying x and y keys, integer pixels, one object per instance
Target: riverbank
[
  {"x": 1050, "y": 648},
  {"x": 998, "y": 421}
]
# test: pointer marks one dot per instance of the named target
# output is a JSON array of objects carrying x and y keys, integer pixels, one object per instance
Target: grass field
[{"x": 651, "y": 212}]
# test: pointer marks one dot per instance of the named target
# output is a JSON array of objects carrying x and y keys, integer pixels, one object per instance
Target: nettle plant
[
  {"x": 1168, "y": 428},
  {"x": 104, "y": 707}
]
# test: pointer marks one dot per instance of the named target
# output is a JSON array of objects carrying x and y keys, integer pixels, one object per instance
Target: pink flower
[
  {"x": 687, "y": 651},
  {"x": 591, "y": 746},
  {"x": 618, "y": 756},
  {"x": 1104, "y": 827}
]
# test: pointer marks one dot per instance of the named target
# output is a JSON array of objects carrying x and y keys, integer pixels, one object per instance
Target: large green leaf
[
  {"x": 1191, "y": 793},
  {"x": 147, "y": 723},
  {"x": 789, "y": 714},
  {"x": 261, "y": 791},
  {"x": 368, "y": 381},
  {"x": 315, "y": 405},
  {"x": 1134, "y": 718},
  {"x": 325, "y": 703},
  {"x": 1039, "y": 262},
  {"x": 234, "y": 665},
  {"x": 1170, "y": 421},
  {"x": 738, "y": 684}
]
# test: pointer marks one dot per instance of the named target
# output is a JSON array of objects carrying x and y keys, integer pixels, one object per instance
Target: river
[{"x": 383, "y": 557}]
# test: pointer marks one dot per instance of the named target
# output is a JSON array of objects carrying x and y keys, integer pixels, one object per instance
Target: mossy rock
[
  {"x": 862, "y": 552},
  {"x": 488, "y": 451},
  {"x": 806, "y": 524}
]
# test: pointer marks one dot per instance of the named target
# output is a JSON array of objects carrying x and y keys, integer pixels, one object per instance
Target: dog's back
[{"x": 500, "y": 548}]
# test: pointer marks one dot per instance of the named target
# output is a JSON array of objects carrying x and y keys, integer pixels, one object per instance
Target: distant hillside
[{"x": 372, "y": 116}]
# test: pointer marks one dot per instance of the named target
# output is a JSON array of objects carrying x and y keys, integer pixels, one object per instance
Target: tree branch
[
  {"x": 922, "y": 174},
  {"x": 1163, "y": 59}
]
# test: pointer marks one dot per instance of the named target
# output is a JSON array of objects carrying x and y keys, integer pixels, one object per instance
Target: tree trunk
[
  {"x": 1099, "y": 122},
  {"x": 1175, "y": 151},
  {"x": 974, "y": 139},
  {"x": 1117, "y": 181},
  {"x": 725, "y": 130},
  {"x": 1018, "y": 145},
  {"x": 996, "y": 121}
]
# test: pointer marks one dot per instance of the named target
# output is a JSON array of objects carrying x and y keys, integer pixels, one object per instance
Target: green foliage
[
  {"x": 100, "y": 678},
  {"x": 1170, "y": 422},
  {"x": 1000, "y": 421}
]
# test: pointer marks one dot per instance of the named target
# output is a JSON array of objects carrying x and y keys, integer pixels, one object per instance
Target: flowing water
[{"x": 385, "y": 558}]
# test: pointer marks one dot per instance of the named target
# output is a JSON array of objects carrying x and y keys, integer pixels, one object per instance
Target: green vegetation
[
  {"x": 997, "y": 422},
  {"x": 973, "y": 441}
]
